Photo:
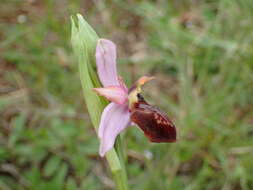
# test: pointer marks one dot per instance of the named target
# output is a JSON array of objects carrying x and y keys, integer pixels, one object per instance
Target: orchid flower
[{"x": 116, "y": 115}]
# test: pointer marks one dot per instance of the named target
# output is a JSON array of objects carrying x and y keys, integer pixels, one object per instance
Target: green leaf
[
  {"x": 84, "y": 40},
  {"x": 60, "y": 176},
  {"x": 17, "y": 131},
  {"x": 71, "y": 184},
  {"x": 52, "y": 165}
]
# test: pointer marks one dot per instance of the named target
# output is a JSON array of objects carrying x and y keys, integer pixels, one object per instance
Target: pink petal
[
  {"x": 122, "y": 84},
  {"x": 115, "y": 119},
  {"x": 106, "y": 63},
  {"x": 115, "y": 94}
]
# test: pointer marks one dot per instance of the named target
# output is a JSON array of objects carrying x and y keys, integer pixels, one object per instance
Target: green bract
[{"x": 84, "y": 40}]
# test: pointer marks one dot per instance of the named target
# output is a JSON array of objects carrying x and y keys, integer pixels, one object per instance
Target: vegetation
[{"x": 201, "y": 54}]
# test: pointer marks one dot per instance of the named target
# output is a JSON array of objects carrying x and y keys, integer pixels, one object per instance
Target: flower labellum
[
  {"x": 156, "y": 125},
  {"x": 127, "y": 105}
]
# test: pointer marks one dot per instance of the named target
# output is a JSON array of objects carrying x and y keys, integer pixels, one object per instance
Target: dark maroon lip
[{"x": 155, "y": 124}]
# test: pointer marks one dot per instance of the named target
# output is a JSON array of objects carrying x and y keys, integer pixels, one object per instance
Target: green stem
[
  {"x": 116, "y": 163},
  {"x": 119, "y": 150},
  {"x": 118, "y": 169}
]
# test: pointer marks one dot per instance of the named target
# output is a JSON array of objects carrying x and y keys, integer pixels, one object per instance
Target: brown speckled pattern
[{"x": 155, "y": 124}]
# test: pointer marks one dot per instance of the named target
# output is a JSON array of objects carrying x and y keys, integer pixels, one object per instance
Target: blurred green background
[{"x": 201, "y": 53}]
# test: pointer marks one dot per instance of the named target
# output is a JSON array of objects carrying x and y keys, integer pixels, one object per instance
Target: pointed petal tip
[
  {"x": 105, "y": 46},
  {"x": 103, "y": 41},
  {"x": 141, "y": 81},
  {"x": 101, "y": 153},
  {"x": 104, "y": 148}
]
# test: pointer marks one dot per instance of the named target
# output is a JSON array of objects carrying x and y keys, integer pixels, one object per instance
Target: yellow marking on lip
[{"x": 132, "y": 96}]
